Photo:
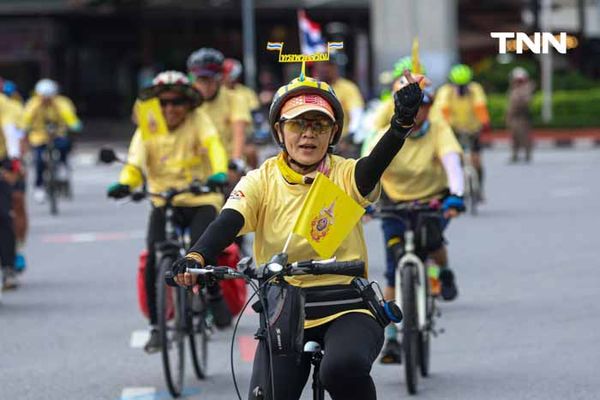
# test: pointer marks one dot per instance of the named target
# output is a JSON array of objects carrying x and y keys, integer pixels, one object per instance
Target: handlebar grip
[
  {"x": 169, "y": 279},
  {"x": 349, "y": 268}
]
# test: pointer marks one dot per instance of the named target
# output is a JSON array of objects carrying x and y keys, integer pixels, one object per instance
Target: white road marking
[
  {"x": 88, "y": 237},
  {"x": 576, "y": 191},
  {"x": 139, "y": 338},
  {"x": 138, "y": 393}
]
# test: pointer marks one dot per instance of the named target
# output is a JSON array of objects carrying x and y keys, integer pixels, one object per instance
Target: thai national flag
[{"x": 311, "y": 40}]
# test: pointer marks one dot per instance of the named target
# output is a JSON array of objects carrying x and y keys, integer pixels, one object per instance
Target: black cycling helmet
[
  {"x": 175, "y": 81},
  {"x": 205, "y": 62},
  {"x": 305, "y": 85}
]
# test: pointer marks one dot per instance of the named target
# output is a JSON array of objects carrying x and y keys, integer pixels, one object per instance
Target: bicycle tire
[
  {"x": 410, "y": 328},
  {"x": 425, "y": 335},
  {"x": 199, "y": 337},
  {"x": 51, "y": 184},
  {"x": 473, "y": 194},
  {"x": 172, "y": 331}
]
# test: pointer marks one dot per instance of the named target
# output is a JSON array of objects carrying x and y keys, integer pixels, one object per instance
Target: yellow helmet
[{"x": 305, "y": 85}]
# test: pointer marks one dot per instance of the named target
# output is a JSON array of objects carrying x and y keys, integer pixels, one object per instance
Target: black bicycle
[
  {"x": 181, "y": 314},
  {"x": 413, "y": 288},
  {"x": 274, "y": 271}
]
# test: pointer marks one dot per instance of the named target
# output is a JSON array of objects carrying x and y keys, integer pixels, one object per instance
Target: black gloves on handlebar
[
  {"x": 406, "y": 105},
  {"x": 181, "y": 265},
  {"x": 118, "y": 191}
]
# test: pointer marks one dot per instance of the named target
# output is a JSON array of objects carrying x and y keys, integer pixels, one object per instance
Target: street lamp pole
[
  {"x": 546, "y": 64},
  {"x": 249, "y": 34}
]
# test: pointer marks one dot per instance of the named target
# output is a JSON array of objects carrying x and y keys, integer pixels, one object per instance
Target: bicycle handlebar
[
  {"x": 195, "y": 187},
  {"x": 274, "y": 268}
]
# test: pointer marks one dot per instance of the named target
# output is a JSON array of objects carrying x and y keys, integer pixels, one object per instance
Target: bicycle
[
  {"x": 413, "y": 288},
  {"x": 55, "y": 186},
  {"x": 274, "y": 270},
  {"x": 181, "y": 314},
  {"x": 472, "y": 192}
]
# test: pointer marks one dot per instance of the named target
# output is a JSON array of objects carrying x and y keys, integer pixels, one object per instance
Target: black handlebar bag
[
  {"x": 285, "y": 318},
  {"x": 285, "y": 305},
  {"x": 285, "y": 322}
]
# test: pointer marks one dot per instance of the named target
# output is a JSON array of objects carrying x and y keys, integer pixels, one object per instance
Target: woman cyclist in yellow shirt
[
  {"x": 191, "y": 150},
  {"x": 307, "y": 121}
]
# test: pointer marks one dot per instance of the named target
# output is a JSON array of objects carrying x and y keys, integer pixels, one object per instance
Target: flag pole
[{"x": 287, "y": 243}]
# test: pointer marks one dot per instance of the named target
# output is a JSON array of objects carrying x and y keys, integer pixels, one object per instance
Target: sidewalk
[{"x": 580, "y": 137}]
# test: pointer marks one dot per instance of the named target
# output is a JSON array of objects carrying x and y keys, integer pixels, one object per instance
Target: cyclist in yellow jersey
[
  {"x": 464, "y": 105},
  {"x": 232, "y": 73},
  {"x": 47, "y": 110},
  {"x": 8, "y": 176},
  {"x": 428, "y": 169},
  {"x": 229, "y": 112},
  {"x": 12, "y": 121},
  {"x": 350, "y": 97},
  {"x": 191, "y": 150},
  {"x": 307, "y": 120}
]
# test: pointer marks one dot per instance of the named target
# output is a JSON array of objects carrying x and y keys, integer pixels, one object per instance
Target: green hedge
[{"x": 573, "y": 108}]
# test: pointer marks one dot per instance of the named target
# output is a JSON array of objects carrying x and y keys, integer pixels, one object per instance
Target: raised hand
[{"x": 406, "y": 102}]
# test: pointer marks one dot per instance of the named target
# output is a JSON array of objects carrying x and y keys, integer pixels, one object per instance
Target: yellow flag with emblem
[
  {"x": 328, "y": 215},
  {"x": 150, "y": 119}
]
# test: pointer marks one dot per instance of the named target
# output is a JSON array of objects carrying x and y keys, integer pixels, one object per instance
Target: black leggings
[
  {"x": 351, "y": 344},
  {"x": 196, "y": 218},
  {"x": 7, "y": 233}
]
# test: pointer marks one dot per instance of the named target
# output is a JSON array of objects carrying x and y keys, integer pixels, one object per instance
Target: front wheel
[
  {"x": 425, "y": 334},
  {"x": 52, "y": 187},
  {"x": 472, "y": 183},
  {"x": 410, "y": 327},
  {"x": 171, "y": 323},
  {"x": 199, "y": 333}
]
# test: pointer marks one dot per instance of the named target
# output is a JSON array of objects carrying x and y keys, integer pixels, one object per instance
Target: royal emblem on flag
[{"x": 322, "y": 222}]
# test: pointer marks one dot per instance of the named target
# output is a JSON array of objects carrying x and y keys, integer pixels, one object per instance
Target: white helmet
[
  {"x": 46, "y": 88},
  {"x": 519, "y": 73},
  {"x": 172, "y": 80}
]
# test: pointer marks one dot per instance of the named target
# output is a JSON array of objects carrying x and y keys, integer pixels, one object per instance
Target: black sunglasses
[{"x": 177, "y": 101}]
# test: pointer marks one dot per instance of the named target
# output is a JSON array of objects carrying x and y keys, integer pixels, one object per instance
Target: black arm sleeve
[
  {"x": 219, "y": 234},
  {"x": 369, "y": 169}
]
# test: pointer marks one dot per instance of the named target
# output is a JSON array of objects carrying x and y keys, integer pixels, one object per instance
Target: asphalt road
[{"x": 524, "y": 327}]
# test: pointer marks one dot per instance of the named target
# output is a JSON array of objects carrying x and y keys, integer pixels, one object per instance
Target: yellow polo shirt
[
  {"x": 463, "y": 112},
  {"x": 192, "y": 151},
  {"x": 270, "y": 206},
  {"x": 250, "y": 97},
  {"x": 224, "y": 110},
  {"x": 60, "y": 111},
  {"x": 417, "y": 173},
  {"x": 349, "y": 96}
]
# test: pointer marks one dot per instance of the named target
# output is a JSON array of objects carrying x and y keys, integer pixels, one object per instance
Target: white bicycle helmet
[
  {"x": 172, "y": 80},
  {"x": 46, "y": 88}
]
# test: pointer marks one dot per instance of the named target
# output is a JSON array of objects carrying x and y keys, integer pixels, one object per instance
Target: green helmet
[
  {"x": 405, "y": 63},
  {"x": 460, "y": 74}
]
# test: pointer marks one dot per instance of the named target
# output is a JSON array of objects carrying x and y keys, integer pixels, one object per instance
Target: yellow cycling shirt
[
  {"x": 417, "y": 173},
  {"x": 192, "y": 151},
  {"x": 466, "y": 114},
  {"x": 12, "y": 111},
  {"x": 59, "y": 111},
  {"x": 349, "y": 96},
  {"x": 4, "y": 116},
  {"x": 249, "y": 96},
  {"x": 225, "y": 109},
  {"x": 270, "y": 205}
]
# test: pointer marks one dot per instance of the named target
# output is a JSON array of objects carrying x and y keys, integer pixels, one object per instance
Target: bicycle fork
[{"x": 407, "y": 261}]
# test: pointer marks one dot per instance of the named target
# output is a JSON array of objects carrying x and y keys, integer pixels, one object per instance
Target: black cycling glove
[{"x": 406, "y": 105}]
